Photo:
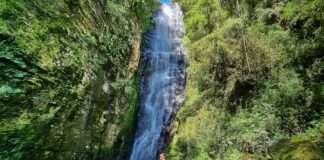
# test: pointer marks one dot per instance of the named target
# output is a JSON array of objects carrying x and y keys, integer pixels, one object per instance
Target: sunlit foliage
[{"x": 255, "y": 81}]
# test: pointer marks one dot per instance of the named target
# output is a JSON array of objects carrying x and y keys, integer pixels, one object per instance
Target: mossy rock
[
  {"x": 249, "y": 156},
  {"x": 297, "y": 149}
]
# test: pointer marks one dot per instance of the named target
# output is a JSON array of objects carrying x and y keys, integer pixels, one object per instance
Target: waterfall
[{"x": 162, "y": 84}]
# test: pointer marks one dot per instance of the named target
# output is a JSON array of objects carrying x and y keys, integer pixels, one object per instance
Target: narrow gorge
[{"x": 161, "y": 80}]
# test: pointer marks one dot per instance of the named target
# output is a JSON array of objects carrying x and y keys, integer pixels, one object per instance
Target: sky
[{"x": 165, "y": 1}]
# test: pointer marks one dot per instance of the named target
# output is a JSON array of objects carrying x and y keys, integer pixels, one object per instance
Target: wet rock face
[
  {"x": 134, "y": 58},
  {"x": 162, "y": 85},
  {"x": 179, "y": 83}
]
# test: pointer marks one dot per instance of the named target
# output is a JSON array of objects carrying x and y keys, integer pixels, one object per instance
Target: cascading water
[{"x": 162, "y": 84}]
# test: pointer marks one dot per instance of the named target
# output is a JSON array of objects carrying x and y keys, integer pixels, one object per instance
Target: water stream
[{"x": 162, "y": 83}]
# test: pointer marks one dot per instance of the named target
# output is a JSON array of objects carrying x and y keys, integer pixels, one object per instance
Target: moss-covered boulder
[{"x": 298, "y": 149}]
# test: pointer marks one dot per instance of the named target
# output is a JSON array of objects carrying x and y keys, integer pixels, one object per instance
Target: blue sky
[{"x": 165, "y": 1}]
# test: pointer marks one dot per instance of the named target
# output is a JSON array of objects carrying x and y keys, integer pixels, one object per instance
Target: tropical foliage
[
  {"x": 64, "y": 77},
  {"x": 255, "y": 81}
]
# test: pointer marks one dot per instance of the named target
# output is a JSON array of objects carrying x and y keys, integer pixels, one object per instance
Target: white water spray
[{"x": 162, "y": 87}]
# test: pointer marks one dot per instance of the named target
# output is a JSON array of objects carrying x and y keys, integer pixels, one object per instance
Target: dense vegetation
[
  {"x": 255, "y": 81},
  {"x": 255, "y": 84},
  {"x": 67, "y": 88}
]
